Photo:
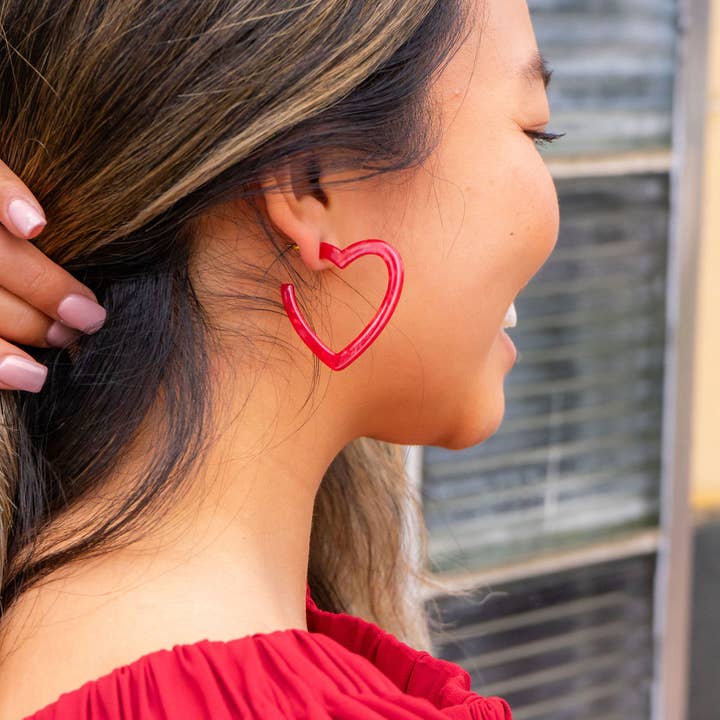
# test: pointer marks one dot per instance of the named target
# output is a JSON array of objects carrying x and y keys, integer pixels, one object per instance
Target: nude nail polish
[
  {"x": 81, "y": 313},
  {"x": 22, "y": 374},
  {"x": 59, "y": 335},
  {"x": 25, "y": 217}
]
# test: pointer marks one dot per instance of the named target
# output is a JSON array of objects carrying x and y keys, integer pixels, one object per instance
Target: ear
[{"x": 297, "y": 206}]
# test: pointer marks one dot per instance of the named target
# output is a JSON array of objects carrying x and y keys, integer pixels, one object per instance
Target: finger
[
  {"x": 20, "y": 212},
  {"x": 28, "y": 273},
  {"x": 18, "y": 371},
  {"x": 25, "y": 324}
]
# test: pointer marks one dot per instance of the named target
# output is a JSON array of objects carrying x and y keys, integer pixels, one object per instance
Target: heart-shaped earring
[{"x": 342, "y": 258}]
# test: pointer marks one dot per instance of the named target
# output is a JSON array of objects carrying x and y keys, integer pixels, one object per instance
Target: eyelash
[{"x": 543, "y": 138}]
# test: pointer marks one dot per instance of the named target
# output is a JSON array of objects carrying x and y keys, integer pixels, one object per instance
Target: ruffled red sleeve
[{"x": 341, "y": 667}]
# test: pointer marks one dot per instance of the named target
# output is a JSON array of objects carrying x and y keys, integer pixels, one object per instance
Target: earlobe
[
  {"x": 299, "y": 216},
  {"x": 310, "y": 254}
]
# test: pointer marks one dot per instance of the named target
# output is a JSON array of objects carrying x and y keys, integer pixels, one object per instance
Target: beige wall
[{"x": 706, "y": 453}]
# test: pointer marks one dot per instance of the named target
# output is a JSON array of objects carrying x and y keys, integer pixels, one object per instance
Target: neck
[{"x": 245, "y": 516}]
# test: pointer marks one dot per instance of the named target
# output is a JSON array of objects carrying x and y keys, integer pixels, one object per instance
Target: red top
[{"x": 341, "y": 667}]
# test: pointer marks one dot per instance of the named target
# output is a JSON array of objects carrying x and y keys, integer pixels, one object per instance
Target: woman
[{"x": 200, "y": 498}]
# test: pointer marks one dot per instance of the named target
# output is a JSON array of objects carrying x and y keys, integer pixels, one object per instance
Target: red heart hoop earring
[{"x": 342, "y": 258}]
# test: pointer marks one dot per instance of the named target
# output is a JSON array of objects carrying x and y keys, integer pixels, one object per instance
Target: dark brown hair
[{"x": 129, "y": 119}]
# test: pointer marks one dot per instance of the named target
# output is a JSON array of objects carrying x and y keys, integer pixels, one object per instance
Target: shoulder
[
  {"x": 86, "y": 625},
  {"x": 75, "y": 659},
  {"x": 99, "y": 671},
  {"x": 214, "y": 679}
]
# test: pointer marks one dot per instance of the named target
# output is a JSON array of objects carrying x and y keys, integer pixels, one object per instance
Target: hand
[{"x": 40, "y": 302}]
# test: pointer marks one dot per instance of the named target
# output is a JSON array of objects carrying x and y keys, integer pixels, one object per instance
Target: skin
[
  {"x": 31, "y": 285},
  {"x": 473, "y": 227}
]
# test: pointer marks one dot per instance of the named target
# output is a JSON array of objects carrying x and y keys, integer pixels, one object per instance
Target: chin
[
  {"x": 479, "y": 422},
  {"x": 476, "y": 414}
]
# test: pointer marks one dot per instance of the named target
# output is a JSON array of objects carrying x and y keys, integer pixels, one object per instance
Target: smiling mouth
[{"x": 510, "y": 319}]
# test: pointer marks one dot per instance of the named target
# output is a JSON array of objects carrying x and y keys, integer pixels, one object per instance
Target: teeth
[{"x": 510, "y": 319}]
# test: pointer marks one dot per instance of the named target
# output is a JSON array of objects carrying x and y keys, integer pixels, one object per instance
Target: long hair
[{"x": 130, "y": 119}]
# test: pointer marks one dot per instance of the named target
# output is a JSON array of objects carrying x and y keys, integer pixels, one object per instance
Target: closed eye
[{"x": 543, "y": 138}]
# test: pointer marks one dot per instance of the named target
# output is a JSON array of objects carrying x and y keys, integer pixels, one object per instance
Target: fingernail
[
  {"x": 21, "y": 373},
  {"x": 60, "y": 335},
  {"x": 81, "y": 313},
  {"x": 24, "y": 216}
]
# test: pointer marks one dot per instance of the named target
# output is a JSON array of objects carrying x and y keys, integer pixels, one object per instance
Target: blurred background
[{"x": 588, "y": 527}]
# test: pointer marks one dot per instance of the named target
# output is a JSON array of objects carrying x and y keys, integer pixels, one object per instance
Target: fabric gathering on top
[{"x": 342, "y": 668}]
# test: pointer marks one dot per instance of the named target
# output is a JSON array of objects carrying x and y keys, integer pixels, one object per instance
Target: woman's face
[{"x": 473, "y": 227}]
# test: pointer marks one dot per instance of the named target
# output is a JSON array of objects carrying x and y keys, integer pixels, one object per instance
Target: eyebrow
[{"x": 537, "y": 69}]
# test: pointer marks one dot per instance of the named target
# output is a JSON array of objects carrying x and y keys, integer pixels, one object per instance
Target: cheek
[
  {"x": 531, "y": 204},
  {"x": 467, "y": 261},
  {"x": 510, "y": 233},
  {"x": 469, "y": 246},
  {"x": 545, "y": 211}
]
